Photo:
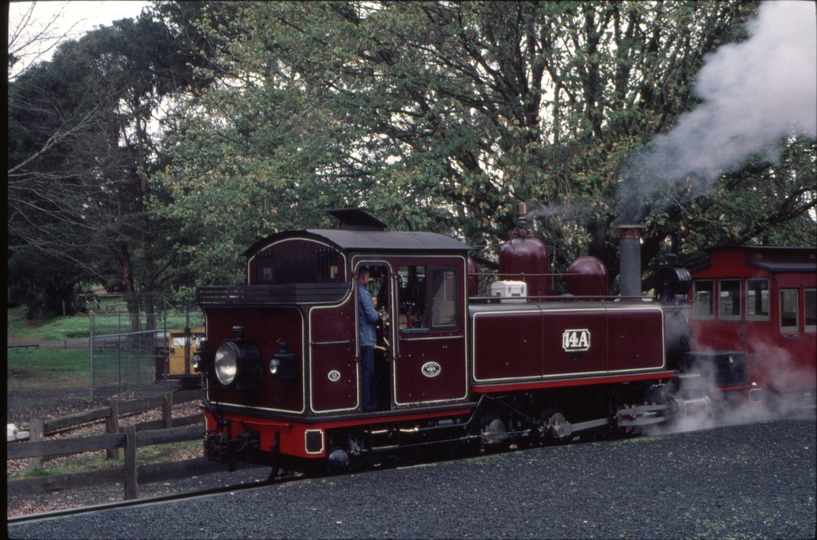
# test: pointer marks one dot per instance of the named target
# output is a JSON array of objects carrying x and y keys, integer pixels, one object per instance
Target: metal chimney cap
[{"x": 630, "y": 231}]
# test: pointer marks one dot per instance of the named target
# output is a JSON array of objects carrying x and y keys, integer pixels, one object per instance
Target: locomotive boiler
[{"x": 453, "y": 369}]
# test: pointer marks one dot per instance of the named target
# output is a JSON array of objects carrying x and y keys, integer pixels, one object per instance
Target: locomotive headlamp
[
  {"x": 202, "y": 359},
  {"x": 197, "y": 362},
  {"x": 284, "y": 363},
  {"x": 227, "y": 363},
  {"x": 236, "y": 360}
]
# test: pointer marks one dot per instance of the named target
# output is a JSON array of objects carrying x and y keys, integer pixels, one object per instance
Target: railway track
[{"x": 146, "y": 501}]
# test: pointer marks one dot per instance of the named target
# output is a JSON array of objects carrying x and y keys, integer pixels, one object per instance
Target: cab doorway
[{"x": 379, "y": 286}]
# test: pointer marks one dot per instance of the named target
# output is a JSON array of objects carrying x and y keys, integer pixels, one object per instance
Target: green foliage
[
  {"x": 50, "y": 328},
  {"x": 441, "y": 116},
  {"x": 437, "y": 116},
  {"x": 58, "y": 328},
  {"x": 44, "y": 288}
]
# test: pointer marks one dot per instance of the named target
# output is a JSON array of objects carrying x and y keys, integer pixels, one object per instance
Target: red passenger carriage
[{"x": 761, "y": 300}]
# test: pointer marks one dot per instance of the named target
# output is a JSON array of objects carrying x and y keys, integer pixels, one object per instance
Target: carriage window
[
  {"x": 729, "y": 299},
  {"x": 788, "y": 310},
  {"x": 811, "y": 310},
  {"x": 702, "y": 299},
  {"x": 757, "y": 299}
]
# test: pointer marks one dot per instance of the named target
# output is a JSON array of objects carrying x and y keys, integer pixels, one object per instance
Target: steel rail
[{"x": 33, "y": 518}]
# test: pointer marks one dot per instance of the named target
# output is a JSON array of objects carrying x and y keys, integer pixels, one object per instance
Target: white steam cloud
[{"x": 754, "y": 93}]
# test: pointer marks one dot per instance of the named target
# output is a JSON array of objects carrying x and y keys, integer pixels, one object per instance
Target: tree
[
  {"x": 441, "y": 116},
  {"x": 82, "y": 147}
]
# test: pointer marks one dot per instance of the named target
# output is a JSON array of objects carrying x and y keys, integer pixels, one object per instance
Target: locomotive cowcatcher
[{"x": 453, "y": 370}]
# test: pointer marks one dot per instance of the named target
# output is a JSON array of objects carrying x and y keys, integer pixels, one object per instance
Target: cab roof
[{"x": 364, "y": 240}]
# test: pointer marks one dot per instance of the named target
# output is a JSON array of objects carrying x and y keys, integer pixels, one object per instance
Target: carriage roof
[{"x": 774, "y": 259}]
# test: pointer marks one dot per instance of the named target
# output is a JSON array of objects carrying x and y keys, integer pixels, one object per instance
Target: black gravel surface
[{"x": 749, "y": 481}]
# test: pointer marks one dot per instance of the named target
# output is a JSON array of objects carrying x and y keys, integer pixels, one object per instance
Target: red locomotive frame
[
  {"x": 762, "y": 300},
  {"x": 281, "y": 358}
]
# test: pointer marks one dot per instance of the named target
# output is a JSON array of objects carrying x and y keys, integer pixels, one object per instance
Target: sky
[{"x": 76, "y": 18}]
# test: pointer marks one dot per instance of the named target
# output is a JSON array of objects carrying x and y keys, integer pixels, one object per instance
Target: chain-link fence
[{"x": 129, "y": 350}]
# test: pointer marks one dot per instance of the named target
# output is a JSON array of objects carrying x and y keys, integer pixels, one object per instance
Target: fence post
[
  {"x": 167, "y": 410},
  {"x": 130, "y": 463},
  {"x": 112, "y": 426},
  {"x": 91, "y": 345},
  {"x": 35, "y": 434}
]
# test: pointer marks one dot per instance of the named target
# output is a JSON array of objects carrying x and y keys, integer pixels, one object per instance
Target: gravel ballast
[{"x": 755, "y": 480}]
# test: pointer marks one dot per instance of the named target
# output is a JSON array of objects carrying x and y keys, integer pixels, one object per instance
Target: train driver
[{"x": 368, "y": 317}]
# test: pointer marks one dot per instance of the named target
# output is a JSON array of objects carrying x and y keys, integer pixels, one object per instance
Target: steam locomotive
[{"x": 457, "y": 366}]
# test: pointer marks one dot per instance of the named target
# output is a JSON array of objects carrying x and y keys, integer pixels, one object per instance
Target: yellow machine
[{"x": 182, "y": 344}]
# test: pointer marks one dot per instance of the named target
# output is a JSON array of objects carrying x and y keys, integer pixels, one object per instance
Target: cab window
[
  {"x": 443, "y": 289},
  {"x": 428, "y": 298}
]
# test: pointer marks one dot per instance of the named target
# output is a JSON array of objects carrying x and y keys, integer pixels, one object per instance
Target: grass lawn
[
  {"x": 50, "y": 329},
  {"x": 37, "y": 368}
]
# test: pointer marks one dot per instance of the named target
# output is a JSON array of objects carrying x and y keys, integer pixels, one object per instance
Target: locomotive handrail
[
  {"x": 412, "y": 337},
  {"x": 562, "y": 297}
]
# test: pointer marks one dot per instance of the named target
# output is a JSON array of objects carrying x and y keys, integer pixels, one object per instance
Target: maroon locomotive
[
  {"x": 761, "y": 300},
  {"x": 453, "y": 368}
]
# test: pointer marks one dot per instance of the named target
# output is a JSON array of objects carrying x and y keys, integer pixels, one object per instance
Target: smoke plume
[{"x": 754, "y": 94}]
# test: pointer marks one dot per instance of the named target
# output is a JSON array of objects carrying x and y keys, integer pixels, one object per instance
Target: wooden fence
[{"x": 163, "y": 431}]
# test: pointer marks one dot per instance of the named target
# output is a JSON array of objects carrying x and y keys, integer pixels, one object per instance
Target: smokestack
[
  {"x": 630, "y": 248},
  {"x": 522, "y": 210}
]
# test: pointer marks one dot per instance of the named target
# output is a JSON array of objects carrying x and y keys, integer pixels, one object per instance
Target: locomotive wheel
[
  {"x": 494, "y": 436},
  {"x": 337, "y": 461},
  {"x": 550, "y": 419}
]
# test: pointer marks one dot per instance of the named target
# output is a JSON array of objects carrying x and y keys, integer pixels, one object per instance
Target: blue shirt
[{"x": 368, "y": 317}]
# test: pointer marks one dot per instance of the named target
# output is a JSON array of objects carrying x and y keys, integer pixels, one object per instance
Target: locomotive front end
[
  {"x": 254, "y": 375},
  {"x": 260, "y": 403}
]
